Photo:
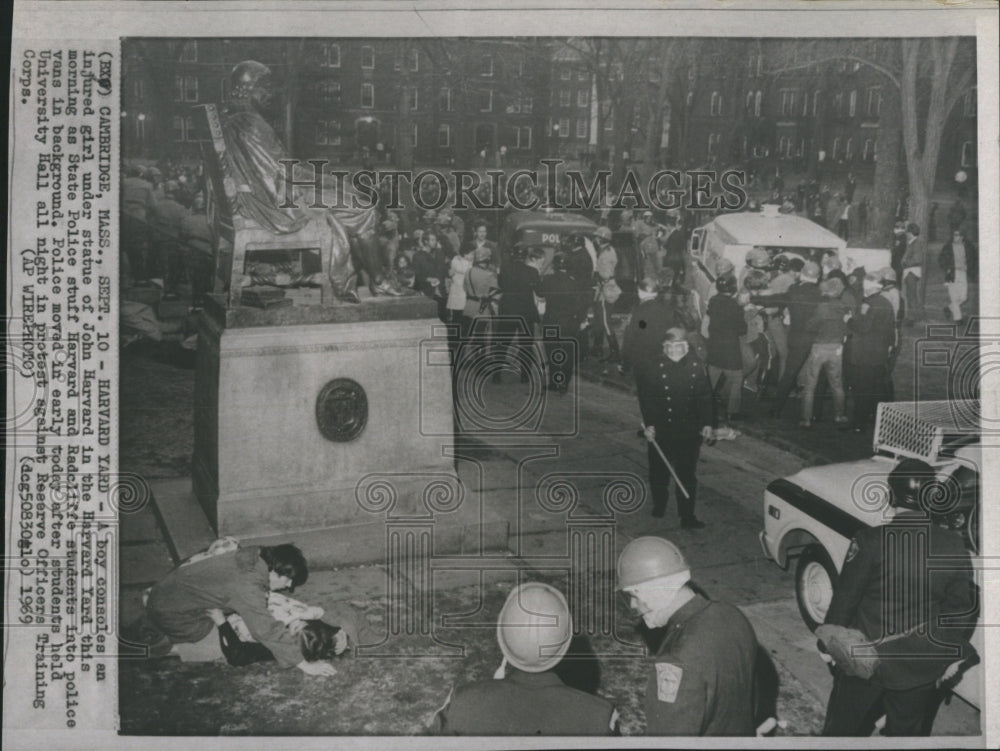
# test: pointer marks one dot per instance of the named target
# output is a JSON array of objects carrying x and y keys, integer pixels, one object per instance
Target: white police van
[{"x": 811, "y": 516}]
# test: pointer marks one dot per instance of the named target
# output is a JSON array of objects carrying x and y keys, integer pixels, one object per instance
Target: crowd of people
[{"x": 705, "y": 673}]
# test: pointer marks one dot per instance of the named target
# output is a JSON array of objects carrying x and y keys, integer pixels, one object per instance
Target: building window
[
  {"x": 582, "y": 128},
  {"x": 444, "y": 100},
  {"x": 787, "y": 102},
  {"x": 969, "y": 154},
  {"x": 566, "y": 74},
  {"x": 838, "y": 103},
  {"x": 802, "y": 147},
  {"x": 849, "y": 150},
  {"x": 367, "y": 95},
  {"x": 874, "y": 108},
  {"x": 969, "y": 104},
  {"x": 487, "y": 71},
  {"x": 189, "y": 51},
  {"x": 520, "y": 67},
  {"x": 617, "y": 70},
  {"x": 713, "y": 143},
  {"x": 784, "y": 147},
  {"x": 183, "y": 128},
  {"x": 852, "y": 103},
  {"x": 331, "y": 56},
  {"x": 138, "y": 89},
  {"x": 514, "y": 106},
  {"x": 415, "y": 60},
  {"x": 581, "y": 75},
  {"x": 328, "y": 91},
  {"x": 413, "y": 136},
  {"x": 565, "y": 97},
  {"x": 583, "y": 98},
  {"x": 486, "y": 100},
  {"x": 815, "y": 103},
  {"x": 140, "y": 130},
  {"x": 185, "y": 88},
  {"x": 368, "y": 57},
  {"x": 522, "y": 136},
  {"x": 444, "y": 135},
  {"x": 868, "y": 154},
  {"x": 716, "y": 105},
  {"x": 412, "y": 98},
  {"x": 527, "y": 105},
  {"x": 564, "y": 127},
  {"x": 835, "y": 151},
  {"x": 328, "y": 132}
]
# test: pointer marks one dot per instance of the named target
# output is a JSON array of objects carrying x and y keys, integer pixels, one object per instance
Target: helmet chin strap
[{"x": 501, "y": 672}]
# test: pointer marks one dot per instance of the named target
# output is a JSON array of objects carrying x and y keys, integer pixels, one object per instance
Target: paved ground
[{"x": 429, "y": 632}]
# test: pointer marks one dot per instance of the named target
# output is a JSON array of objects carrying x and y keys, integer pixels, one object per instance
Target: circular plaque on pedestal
[{"x": 341, "y": 410}]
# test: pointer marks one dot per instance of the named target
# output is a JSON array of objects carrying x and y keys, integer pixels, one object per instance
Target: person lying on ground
[
  {"x": 317, "y": 639},
  {"x": 236, "y": 580}
]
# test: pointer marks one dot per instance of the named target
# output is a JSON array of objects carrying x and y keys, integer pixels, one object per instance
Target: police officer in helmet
[
  {"x": 525, "y": 696},
  {"x": 918, "y": 615},
  {"x": 700, "y": 680}
]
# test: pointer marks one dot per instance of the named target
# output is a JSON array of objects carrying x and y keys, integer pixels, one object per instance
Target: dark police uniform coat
[
  {"x": 701, "y": 680},
  {"x": 525, "y": 704},
  {"x": 890, "y": 585},
  {"x": 676, "y": 399}
]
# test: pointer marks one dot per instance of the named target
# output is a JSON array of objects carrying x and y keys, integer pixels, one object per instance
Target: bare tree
[{"x": 929, "y": 76}]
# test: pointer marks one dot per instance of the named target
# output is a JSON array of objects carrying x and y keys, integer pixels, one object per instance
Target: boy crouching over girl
[{"x": 237, "y": 580}]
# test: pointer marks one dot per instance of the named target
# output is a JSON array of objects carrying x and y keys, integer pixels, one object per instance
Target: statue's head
[{"x": 250, "y": 83}]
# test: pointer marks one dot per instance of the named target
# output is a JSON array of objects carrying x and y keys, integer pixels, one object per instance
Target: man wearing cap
[
  {"x": 675, "y": 400},
  {"x": 525, "y": 697},
  {"x": 700, "y": 680},
  {"x": 801, "y": 301},
  {"x": 917, "y": 611},
  {"x": 519, "y": 280},
  {"x": 873, "y": 335}
]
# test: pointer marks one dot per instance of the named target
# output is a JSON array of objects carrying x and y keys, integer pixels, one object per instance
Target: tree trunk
[
  {"x": 887, "y": 166},
  {"x": 654, "y": 124}
]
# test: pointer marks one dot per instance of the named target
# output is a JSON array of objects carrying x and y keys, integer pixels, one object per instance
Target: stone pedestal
[{"x": 262, "y": 465}]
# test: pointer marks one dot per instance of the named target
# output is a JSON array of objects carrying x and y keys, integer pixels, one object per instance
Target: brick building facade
[{"x": 483, "y": 102}]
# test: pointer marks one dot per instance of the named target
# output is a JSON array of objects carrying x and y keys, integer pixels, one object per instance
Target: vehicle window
[
  {"x": 696, "y": 241},
  {"x": 965, "y": 515}
]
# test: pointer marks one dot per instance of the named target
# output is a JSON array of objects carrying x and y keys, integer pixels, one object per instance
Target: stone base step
[{"x": 188, "y": 531}]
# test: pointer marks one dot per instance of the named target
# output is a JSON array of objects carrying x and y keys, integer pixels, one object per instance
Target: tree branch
[{"x": 884, "y": 70}]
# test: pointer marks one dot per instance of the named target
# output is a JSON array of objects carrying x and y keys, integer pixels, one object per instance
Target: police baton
[{"x": 669, "y": 465}]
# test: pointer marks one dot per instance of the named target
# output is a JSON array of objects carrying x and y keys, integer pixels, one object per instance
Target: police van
[
  {"x": 730, "y": 236},
  {"x": 811, "y": 516},
  {"x": 548, "y": 229}
]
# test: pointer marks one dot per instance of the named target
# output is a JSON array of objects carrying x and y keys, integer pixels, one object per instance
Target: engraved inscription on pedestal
[{"x": 341, "y": 410}]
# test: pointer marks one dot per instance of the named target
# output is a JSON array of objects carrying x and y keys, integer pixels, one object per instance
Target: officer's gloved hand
[{"x": 824, "y": 655}]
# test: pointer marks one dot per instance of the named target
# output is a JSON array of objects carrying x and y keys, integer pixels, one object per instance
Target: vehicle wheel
[{"x": 814, "y": 578}]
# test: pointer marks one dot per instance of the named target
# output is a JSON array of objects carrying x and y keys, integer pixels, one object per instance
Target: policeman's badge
[
  {"x": 668, "y": 681},
  {"x": 852, "y": 551}
]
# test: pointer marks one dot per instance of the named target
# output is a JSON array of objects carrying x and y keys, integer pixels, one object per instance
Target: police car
[{"x": 811, "y": 516}]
